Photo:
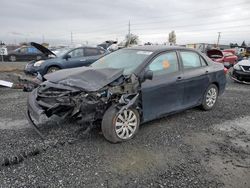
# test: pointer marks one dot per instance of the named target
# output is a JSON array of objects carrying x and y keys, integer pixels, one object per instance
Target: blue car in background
[
  {"x": 25, "y": 53},
  {"x": 65, "y": 58}
]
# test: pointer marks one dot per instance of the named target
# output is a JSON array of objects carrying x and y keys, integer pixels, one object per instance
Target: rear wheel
[
  {"x": 210, "y": 97},
  {"x": 52, "y": 69},
  {"x": 120, "y": 127},
  {"x": 12, "y": 58}
]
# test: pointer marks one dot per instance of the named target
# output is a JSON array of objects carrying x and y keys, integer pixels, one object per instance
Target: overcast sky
[{"x": 98, "y": 20}]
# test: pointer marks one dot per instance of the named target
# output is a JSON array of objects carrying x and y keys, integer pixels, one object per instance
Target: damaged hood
[
  {"x": 214, "y": 53},
  {"x": 244, "y": 62},
  {"x": 85, "y": 78}
]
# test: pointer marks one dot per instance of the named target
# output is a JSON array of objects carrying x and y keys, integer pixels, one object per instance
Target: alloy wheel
[
  {"x": 126, "y": 124},
  {"x": 211, "y": 97},
  {"x": 12, "y": 58}
]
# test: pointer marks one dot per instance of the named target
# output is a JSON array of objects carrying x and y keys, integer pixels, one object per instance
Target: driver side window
[
  {"x": 23, "y": 50},
  {"x": 76, "y": 53},
  {"x": 164, "y": 64}
]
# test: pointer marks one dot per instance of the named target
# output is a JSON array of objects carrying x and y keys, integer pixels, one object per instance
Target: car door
[
  {"x": 22, "y": 53},
  {"x": 163, "y": 94},
  {"x": 31, "y": 53},
  {"x": 195, "y": 77},
  {"x": 74, "y": 58},
  {"x": 91, "y": 55}
]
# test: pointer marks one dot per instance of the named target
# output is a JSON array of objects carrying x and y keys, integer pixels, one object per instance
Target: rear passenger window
[
  {"x": 32, "y": 50},
  {"x": 164, "y": 64},
  {"x": 190, "y": 60},
  {"x": 91, "y": 52},
  {"x": 76, "y": 53}
]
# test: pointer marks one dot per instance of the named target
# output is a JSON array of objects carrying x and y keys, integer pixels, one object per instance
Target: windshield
[
  {"x": 126, "y": 59},
  {"x": 17, "y": 49},
  {"x": 61, "y": 52}
]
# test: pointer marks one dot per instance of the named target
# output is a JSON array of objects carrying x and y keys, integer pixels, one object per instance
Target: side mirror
[
  {"x": 148, "y": 75},
  {"x": 67, "y": 56}
]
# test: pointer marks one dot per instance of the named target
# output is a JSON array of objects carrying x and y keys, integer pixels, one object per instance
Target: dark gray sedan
[{"x": 129, "y": 87}]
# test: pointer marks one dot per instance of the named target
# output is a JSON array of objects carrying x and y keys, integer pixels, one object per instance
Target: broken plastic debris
[{"x": 6, "y": 83}]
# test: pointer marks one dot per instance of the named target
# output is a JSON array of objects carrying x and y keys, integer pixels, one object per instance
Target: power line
[
  {"x": 192, "y": 11},
  {"x": 204, "y": 23},
  {"x": 140, "y": 23},
  {"x": 172, "y": 27},
  {"x": 203, "y": 30}
]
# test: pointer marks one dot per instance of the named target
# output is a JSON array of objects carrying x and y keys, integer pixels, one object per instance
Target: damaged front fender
[{"x": 87, "y": 106}]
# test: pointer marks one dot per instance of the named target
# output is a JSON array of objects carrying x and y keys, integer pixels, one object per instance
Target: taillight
[{"x": 225, "y": 70}]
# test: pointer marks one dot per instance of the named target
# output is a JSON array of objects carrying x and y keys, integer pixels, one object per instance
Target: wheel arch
[
  {"x": 217, "y": 85},
  {"x": 52, "y": 65}
]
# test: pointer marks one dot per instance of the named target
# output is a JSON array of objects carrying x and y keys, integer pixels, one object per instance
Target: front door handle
[
  {"x": 207, "y": 72},
  {"x": 179, "y": 78},
  {"x": 82, "y": 59}
]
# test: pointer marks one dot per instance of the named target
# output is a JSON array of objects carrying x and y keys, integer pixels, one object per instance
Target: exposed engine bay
[{"x": 75, "y": 98}]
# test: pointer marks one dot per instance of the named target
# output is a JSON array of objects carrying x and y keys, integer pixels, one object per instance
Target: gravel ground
[
  {"x": 189, "y": 149},
  {"x": 10, "y": 66}
]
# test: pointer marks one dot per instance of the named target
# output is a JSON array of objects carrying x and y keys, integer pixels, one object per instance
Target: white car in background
[{"x": 241, "y": 71}]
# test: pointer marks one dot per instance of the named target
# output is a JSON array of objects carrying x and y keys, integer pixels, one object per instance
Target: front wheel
[
  {"x": 210, "y": 97},
  {"x": 12, "y": 58},
  {"x": 52, "y": 69},
  {"x": 119, "y": 127}
]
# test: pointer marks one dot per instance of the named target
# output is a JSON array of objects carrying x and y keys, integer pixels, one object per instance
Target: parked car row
[
  {"x": 226, "y": 57},
  {"x": 241, "y": 71}
]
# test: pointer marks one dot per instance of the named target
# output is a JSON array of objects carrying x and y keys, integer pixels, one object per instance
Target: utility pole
[
  {"x": 218, "y": 40},
  {"x": 71, "y": 37},
  {"x": 129, "y": 33}
]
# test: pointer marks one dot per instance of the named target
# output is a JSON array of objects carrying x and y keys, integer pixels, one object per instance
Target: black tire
[
  {"x": 12, "y": 58},
  {"x": 52, "y": 69},
  {"x": 206, "y": 104},
  {"x": 109, "y": 125}
]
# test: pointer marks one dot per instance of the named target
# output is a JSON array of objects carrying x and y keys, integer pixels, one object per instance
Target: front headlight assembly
[
  {"x": 237, "y": 67},
  {"x": 38, "y": 63}
]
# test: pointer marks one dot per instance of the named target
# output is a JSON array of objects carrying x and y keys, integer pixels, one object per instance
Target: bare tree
[
  {"x": 172, "y": 38},
  {"x": 131, "y": 39}
]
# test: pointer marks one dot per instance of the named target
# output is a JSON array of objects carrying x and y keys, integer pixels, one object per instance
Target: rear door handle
[
  {"x": 207, "y": 72},
  {"x": 82, "y": 59}
]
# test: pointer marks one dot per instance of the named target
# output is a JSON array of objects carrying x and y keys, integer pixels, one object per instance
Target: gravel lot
[
  {"x": 190, "y": 149},
  {"x": 10, "y": 66}
]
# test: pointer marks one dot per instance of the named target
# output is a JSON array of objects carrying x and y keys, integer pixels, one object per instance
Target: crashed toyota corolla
[{"x": 129, "y": 87}]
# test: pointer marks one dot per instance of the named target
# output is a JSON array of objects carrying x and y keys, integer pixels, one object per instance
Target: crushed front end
[{"x": 72, "y": 102}]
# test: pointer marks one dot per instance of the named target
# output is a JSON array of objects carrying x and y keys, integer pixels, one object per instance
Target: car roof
[
  {"x": 93, "y": 47},
  {"x": 155, "y": 48}
]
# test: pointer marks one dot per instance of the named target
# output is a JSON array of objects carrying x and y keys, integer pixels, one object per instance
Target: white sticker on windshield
[{"x": 144, "y": 52}]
